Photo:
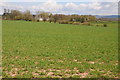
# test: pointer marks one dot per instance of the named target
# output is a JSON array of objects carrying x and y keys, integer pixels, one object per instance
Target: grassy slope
[{"x": 37, "y": 49}]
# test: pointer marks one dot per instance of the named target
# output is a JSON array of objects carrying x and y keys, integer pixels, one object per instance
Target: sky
[
  {"x": 88, "y": 7},
  {"x": 59, "y": 0}
]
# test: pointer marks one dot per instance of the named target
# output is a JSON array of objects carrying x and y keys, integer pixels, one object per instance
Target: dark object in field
[
  {"x": 37, "y": 20},
  {"x": 44, "y": 20},
  {"x": 89, "y": 24},
  {"x": 104, "y": 25},
  {"x": 50, "y": 21},
  {"x": 29, "y": 20}
]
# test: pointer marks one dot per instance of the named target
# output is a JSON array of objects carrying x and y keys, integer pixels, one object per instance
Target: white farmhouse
[{"x": 40, "y": 19}]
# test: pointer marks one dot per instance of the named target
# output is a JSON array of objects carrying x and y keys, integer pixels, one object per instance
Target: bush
[
  {"x": 89, "y": 24},
  {"x": 104, "y": 25},
  {"x": 70, "y": 22},
  {"x": 44, "y": 20},
  {"x": 29, "y": 20},
  {"x": 76, "y": 23},
  {"x": 86, "y": 23},
  {"x": 63, "y": 22},
  {"x": 37, "y": 20},
  {"x": 97, "y": 25}
]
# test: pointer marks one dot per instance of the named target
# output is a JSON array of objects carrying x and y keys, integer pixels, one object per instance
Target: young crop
[{"x": 48, "y": 50}]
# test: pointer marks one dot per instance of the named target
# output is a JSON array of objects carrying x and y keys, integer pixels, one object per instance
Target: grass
[{"x": 48, "y": 50}]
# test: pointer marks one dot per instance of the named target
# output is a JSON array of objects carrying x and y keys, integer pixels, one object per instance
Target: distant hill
[{"x": 107, "y": 16}]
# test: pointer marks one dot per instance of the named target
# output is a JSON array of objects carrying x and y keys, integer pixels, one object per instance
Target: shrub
[
  {"x": 29, "y": 20},
  {"x": 44, "y": 20},
  {"x": 63, "y": 22},
  {"x": 89, "y": 24},
  {"x": 70, "y": 22},
  {"x": 104, "y": 25},
  {"x": 86, "y": 23},
  {"x": 37, "y": 20},
  {"x": 76, "y": 23},
  {"x": 97, "y": 25}
]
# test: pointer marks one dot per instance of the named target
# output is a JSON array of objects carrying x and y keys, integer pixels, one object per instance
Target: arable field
[{"x": 48, "y": 50}]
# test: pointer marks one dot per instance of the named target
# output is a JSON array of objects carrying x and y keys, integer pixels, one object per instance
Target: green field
[{"x": 48, "y": 50}]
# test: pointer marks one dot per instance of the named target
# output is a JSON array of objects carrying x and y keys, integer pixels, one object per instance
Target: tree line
[{"x": 49, "y": 17}]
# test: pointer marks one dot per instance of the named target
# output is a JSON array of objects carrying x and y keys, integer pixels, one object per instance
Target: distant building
[
  {"x": 47, "y": 19},
  {"x": 40, "y": 19},
  {"x": 6, "y": 14}
]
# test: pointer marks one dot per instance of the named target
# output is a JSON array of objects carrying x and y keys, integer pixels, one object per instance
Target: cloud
[
  {"x": 71, "y": 5},
  {"x": 3, "y": 4},
  {"x": 94, "y": 8},
  {"x": 60, "y": 0},
  {"x": 51, "y": 6}
]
